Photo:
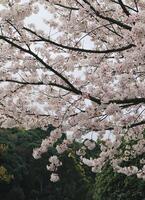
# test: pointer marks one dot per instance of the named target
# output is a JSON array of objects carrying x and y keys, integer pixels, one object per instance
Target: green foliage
[
  {"x": 114, "y": 186},
  {"x": 31, "y": 178},
  {"x": 111, "y": 185},
  {"x": 23, "y": 177},
  {"x": 4, "y": 176}
]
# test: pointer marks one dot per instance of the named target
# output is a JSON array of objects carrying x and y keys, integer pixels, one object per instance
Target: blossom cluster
[{"x": 54, "y": 164}]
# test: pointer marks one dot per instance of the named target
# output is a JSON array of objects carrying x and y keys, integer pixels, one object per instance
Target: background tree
[
  {"x": 31, "y": 178},
  {"x": 4, "y": 175},
  {"x": 111, "y": 185},
  {"x": 81, "y": 70}
]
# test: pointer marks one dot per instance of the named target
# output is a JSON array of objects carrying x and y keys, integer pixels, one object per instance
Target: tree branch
[
  {"x": 124, "y": 7},
  {"x": 42, "y": 62},
  {"x": 119, "y": 23},
  {"x": 80, "y": 49},
  {"x": 124, "y": 127}
]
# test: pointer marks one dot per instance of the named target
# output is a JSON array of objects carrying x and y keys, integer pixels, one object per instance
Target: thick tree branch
[
  {"x": 124, "y": 127},
  {"x": 39, "y": 83},
  {"x": 67, "y": 7},
  {"x": 113, "y": 50},
  {"x": 42, "y": 62},
  {"x": 124, "y": 8},
  {"x": 127, "y": 101},
  {"x": 71, "y": 87},
  {"x": 119, "y": 23}
]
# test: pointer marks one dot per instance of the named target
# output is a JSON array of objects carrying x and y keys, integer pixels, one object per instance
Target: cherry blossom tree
[{"x": 82, "y": 71}]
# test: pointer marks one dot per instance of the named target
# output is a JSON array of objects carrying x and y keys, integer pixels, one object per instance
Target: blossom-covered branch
[{"x": 79, "y": 67}]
